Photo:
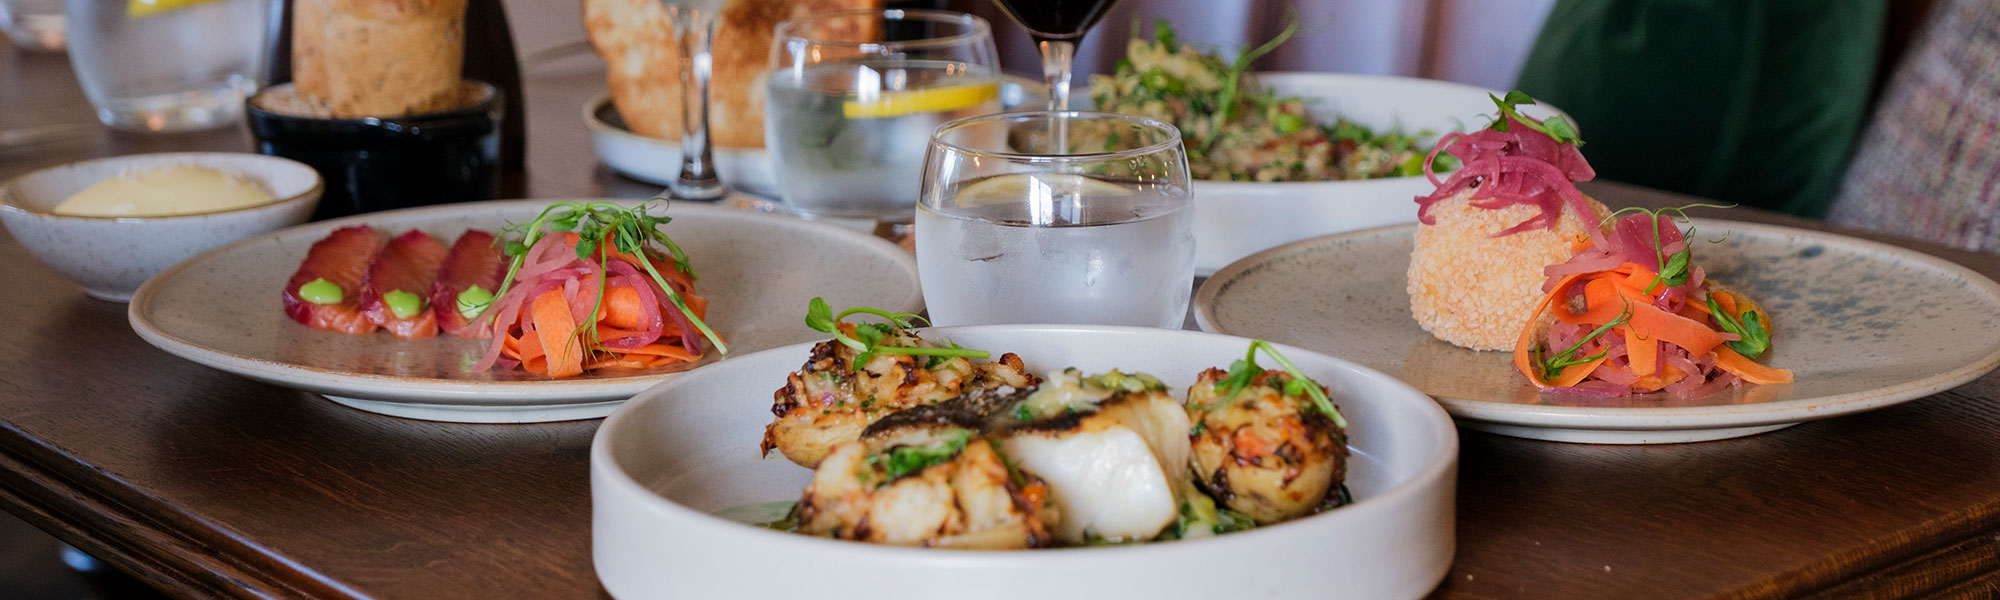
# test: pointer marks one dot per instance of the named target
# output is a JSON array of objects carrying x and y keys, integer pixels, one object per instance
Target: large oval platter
[{"x": 222, "y": 309}]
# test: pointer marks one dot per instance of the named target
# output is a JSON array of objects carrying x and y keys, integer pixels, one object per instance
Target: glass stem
[
  {"x": 694, "y": 28},
  {"x": 1057, "y": 57}
]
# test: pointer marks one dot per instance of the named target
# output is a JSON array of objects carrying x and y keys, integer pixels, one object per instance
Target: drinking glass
[
  {"x": 1017, "y": 227},
  {"x": 1057, "y": 27},
  {"x": 694, "y": 30},
  {"x": 161, "y": 66},
  {"x": 853, "y": 98},
  {"x": 33, "y": 24}
]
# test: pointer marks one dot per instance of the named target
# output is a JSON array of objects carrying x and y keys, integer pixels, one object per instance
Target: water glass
[
  {"x": 854, "y": 95},
  {"x": 156, "y": 65},
  {"x": 1018, "y": 225},
  {"x": 33, "y": 24}
]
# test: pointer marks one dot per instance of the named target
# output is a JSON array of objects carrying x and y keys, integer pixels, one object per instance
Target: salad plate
[
  {"x": 1862, "y": 325},
  {"x": 222, "y": 309},
  {"x": 664, "y": 464}
]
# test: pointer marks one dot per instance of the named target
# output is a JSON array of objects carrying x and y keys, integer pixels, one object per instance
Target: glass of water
[
  {"x": 1017, "y": 227},
  {"x": 156, "y": 65},
  {"x": 853, "y": 97},
  {"x": 33, "y": 24}
]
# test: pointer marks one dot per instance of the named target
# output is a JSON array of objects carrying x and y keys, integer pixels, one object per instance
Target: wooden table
[{"x": 210, "y": 485}]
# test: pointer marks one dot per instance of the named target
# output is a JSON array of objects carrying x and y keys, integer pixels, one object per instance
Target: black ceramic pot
[{"x": 383, "y": 163}]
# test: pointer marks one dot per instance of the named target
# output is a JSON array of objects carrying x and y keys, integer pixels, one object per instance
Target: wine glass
[
  {"x": 1057, "y": 27},
  {"x": 1018, "y": 226},
  {"x": 693, "y": 23},
  {"x": 853, "y": 97}
]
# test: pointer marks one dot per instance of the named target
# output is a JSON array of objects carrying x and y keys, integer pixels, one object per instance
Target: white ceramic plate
[
  {"x": 677, "y": 453},
  {"x": 1236, "y": 219},
  {"x": 222, "y": 309},
  {"x": 1862, "y": 325}
]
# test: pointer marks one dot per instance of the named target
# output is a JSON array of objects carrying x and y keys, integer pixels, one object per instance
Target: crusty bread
[
  {"x": 378, "y": 58},
  {"x": 636, "y": 42},
  {"x": 1475, "y": 290}
]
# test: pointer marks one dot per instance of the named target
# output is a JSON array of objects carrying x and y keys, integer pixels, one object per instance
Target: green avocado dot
[
  {"x": 473, "y": 301},
  {"x": 321, "y": 291},
  {"x": 403, "y": 304}
]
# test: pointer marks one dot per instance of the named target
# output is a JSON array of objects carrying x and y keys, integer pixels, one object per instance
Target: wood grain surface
[{"x": 209, "y": 485}]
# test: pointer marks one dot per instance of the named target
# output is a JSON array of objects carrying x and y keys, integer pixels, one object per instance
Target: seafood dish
[
  {"x": 583, "y": 286},
  {"x": 914, "y": 442}
]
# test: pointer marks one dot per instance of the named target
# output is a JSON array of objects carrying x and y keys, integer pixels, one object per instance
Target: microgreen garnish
[
  {"x": 1231, "y": 83},
  {"x": 1673, "y": 269},
  {"x": 1555, "y": 126},
  {"x": 630, "y": 231},
  {"x": 1553, "y": 365},
  {"x": 899, "y": 461},
  {"x": 1750, "y": 328},
  {"x": 1243, "y": 370},
  {"x": 867, "y": 340}
]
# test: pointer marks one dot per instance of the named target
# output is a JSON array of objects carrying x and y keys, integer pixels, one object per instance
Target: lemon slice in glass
[
  {"x": 925, "y": 100},
  {"x": 1022, "y": 187},
  {"x": 139, "y": 9}
]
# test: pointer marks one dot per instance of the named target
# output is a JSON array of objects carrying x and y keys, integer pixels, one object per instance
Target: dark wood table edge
[{"x": 185, "y": 558}]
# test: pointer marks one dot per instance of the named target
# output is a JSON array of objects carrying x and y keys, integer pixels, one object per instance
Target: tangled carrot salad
[
  {"x": 593, "y": 285},
  {"x": 1633, "y": 314}
]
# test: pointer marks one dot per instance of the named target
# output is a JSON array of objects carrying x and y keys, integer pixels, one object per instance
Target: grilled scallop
[
  {"x": 945, "y": 488},
  {"x": 827, "y": 401},
  {"x": 1113, "y": 449},
  {"x": 1267, "y": 454}
]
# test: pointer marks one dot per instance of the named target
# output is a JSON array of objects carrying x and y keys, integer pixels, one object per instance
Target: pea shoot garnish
[
  {"x": 1749, "y": 327},
  {"x": 1555, "y": 126},
  {"x": 1673, "y": 269},
  {"x": 1552, "y": 365},
  {"x": 1244, "y": 370},
  {"x": 628, "y": 230},
  {"x": 868, "y": 338}
]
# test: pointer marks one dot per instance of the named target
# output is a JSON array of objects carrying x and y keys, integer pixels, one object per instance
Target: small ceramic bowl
[
  {"x": 384, "y": 163},
  {"x": 111, "y": 256}
]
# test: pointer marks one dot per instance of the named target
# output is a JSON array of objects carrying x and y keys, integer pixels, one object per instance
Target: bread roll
[
  {"x": 379, "y": 58},
  {"x": 636, "y": 41}
]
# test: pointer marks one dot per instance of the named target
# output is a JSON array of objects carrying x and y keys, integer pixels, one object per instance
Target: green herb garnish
[
  {"x": 1232, "y": 82},
  {"x": 1553, "y": 365},
  {"x": 630, "y": 230},
  {"x": 899, "y": 461},
  {"x": 1245, "y": 369},
  {"x": 1673, "y": 269},
  {"x": 1555, "y": 126},
  {"x": 1750, "y": 327},
  {"x": 868, "y": 337}
]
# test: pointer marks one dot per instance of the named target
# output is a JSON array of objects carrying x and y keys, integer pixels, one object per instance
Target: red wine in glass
[{"x": 1057, "y": 26}]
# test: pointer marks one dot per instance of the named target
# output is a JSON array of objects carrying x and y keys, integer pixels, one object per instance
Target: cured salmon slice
[
  {"x": 408, "y": 265},
  {"x": 342, "y": 259},
  {"x": 475, "y": 260}
]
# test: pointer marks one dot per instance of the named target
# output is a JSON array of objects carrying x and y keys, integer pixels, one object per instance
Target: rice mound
[{"x": 1475, "y": 290}]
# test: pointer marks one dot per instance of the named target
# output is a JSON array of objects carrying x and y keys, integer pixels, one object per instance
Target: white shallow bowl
[
  {"x": 111, "y": 256},
  {"x": 663, "y": 463},
  {"x": 1236, "y": 219}
]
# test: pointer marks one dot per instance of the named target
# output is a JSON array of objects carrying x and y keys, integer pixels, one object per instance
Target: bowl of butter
[{"x": 109, "y": 224}]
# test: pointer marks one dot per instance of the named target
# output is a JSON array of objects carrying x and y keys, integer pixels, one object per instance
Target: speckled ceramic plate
[
  {"x": 222, "y": 309},
  {"x": 1861, "y": 325}
]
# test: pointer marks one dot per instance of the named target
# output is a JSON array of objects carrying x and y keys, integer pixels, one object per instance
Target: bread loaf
[
  {"x": 636, "y": 41},
  {"x": 378, "y": 58}
]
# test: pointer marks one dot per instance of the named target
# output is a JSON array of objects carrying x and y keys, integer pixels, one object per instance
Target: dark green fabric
[{"x": 1756, "y": 102}]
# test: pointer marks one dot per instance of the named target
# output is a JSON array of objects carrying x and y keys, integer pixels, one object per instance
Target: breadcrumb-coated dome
[{"x": 1474, "y": 290}]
